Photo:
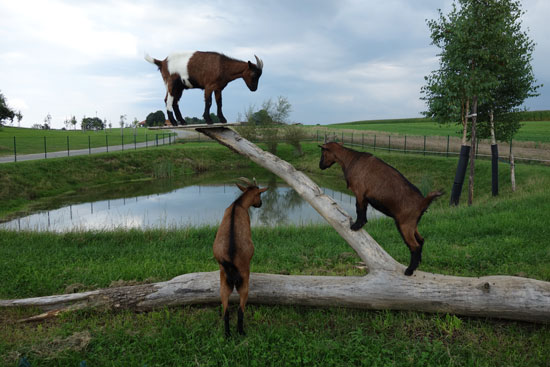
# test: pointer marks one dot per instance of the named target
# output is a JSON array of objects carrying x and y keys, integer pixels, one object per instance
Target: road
[{"x": 72, "y": 153}]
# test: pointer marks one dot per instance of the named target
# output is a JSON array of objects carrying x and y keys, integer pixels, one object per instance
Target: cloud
[{"x": 335, "y": 61}]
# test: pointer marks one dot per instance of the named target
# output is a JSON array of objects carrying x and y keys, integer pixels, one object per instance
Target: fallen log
[{"x": 384, "y": 287}]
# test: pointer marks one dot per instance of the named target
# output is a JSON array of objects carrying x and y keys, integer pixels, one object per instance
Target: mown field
[
  {"x": 28, "y": 141},
  {"x": 534, "y": 131},
  {"x": 504, "y": 235}
]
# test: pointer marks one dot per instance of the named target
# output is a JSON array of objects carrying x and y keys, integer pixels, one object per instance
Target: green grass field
[
  {"x": 506, "y": 235},
  {"x": 537, "y": 131},
  {"x": 28, "y": 141}
]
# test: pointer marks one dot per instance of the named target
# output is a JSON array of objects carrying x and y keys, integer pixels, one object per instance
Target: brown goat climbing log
[
  {"x": 384, "y": 287},
  {"x": 375, "y": 182}
]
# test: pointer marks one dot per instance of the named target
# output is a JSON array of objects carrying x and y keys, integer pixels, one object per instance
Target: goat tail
[
  {"x": 431, "y": 197},
  {"x": 152, "y": 60},
  {"x": 232, "y": 276}
]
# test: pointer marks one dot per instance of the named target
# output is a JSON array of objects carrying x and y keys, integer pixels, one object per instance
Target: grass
[
  {"x": 536, "y": 131},
  {"x": 504, "y": 235},
  {"x": 30, "y": 141}
]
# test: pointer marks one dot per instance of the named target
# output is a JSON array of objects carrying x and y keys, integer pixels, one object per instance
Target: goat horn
[
  {"x": 246, "y": 181},
  {"x": 259, "y": 62},
  {"x": 254, "y": 181}
]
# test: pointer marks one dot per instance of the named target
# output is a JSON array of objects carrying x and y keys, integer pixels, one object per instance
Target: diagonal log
[{"x": 384, "y": 287}]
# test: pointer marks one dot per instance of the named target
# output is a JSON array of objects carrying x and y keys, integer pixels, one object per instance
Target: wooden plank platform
[{"x": 194, "y": 126}]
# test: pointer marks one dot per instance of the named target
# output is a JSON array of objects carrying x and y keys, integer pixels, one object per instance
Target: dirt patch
[{"x": 75, "y": 342}]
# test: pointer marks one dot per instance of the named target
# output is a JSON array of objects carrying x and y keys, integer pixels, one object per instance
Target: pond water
[{"x": 189, "y": 206}]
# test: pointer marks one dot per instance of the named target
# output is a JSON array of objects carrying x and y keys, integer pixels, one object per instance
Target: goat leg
[
  {"x": 226, "y": 322},
  {"x": 207, "y": 105},
  {"x": 221, "y": 117},
  {"x": 361, "y": 209},
  {"x": 179, "y": 117},
  {"x": 169, "y": 101},
  {"x": 240, "y": 327},
  {"x": 172, "y": 119},
  {"x": 416, "y": 258}
]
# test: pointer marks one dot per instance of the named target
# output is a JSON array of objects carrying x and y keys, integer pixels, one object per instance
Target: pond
[{"x": 189, "y": 206}]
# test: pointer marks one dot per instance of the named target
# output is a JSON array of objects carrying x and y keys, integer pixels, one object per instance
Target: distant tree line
[{"x": 6, "y": 113}]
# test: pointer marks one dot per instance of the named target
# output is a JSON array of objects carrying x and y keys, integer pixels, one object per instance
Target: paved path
[{"x": 112, "y": 148}]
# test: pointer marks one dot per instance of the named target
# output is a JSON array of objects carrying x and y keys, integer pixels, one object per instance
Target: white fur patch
[
  {"x": 177, "y": 64},
  {"x": 169, "y": 103}
]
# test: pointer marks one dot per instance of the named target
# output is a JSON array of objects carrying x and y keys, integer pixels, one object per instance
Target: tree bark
[
  {"x": 512, "y": 171},
  {"x": 472, "y": 152},
  {"x": 494, "y": 156},
  {"x": 384, "y": 287},
  {"x": 463, "y": 158}
]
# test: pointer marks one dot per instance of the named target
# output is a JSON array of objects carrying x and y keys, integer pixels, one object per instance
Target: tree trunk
[
  {"x": 385, "y": 287},
  {"x": 472, "y": 152},
  {"x": 512, "y": 171},
  {"x": 462, "y": 159},
  {"x": 494, "y": 156}
]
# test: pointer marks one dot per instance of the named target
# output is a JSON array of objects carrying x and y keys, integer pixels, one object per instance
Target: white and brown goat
[
  {"x": 233, "y": 249},
  {"x": 210, "y": 71}
]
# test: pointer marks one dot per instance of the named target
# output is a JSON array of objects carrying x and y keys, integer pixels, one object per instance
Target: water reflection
[{"x": 195, "y": 206}]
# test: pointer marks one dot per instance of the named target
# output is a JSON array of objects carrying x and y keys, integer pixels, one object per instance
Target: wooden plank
[{"x": 194, "y": 126}]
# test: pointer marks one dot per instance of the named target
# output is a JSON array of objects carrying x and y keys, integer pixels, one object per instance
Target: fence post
[
  {"x": 45, "y": 152},
  {"x": 157, "y": 139},
  {"x": 146, "y": 142},
  {"x": 389, "y": 143},
  {"x": 405, "y": 146},
  {"x": 107, "y": 142},
  {"x": 89, "y": 146},
  {"x": 424, "y": 144},
  {"x": 352, "y": 138},
  {"x": 135, "y": 143},
  {"x": 374, "y": 141},
  {"x": 68, "y": 154},
  {"x": 447, "y": 146},
  {"x": 363, "y": 140},
  {"x": 343, "y": 137},
  {"x": 14, "y": 150},
  {"x": 122, "y": 137}
]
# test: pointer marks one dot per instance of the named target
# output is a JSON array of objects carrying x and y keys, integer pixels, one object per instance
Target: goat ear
[
  {"x": 264, "y": 189},
  {"x": 322, "y": 147},
  {"x": 250, "y": 65},
  {"x": 242, "y": 188}
]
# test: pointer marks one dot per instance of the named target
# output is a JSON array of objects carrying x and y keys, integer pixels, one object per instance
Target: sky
[{"x": 335, "y": 61}]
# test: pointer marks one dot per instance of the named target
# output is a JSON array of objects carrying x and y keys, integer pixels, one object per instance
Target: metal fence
[
  {"x": 27, "y": 148},
  {"x": 447, "y": 146},
  {"x": 23, "y": 148}
]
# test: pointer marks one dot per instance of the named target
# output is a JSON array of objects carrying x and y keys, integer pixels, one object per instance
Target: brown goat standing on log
[
  {"x": 233, "y": 249},
  {"x": 210, "y": 71},
  {"x": 376, "y": 183}
]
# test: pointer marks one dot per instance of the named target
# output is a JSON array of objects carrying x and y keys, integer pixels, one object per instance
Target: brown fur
[
  {"x": 386, "y": 189},
  {"x": 233, "y": 249}
]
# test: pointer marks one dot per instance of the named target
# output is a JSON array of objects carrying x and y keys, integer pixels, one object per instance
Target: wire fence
[
  {"x": 24, "y": 148},
  {"x": 15, "y": 149},
  {"x": 447, "y": 146}
]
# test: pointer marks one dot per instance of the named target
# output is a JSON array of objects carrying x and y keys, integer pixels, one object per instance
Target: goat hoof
[
  {"x": 409, "y": 272},
  {"x": 356, "y": 226}
]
